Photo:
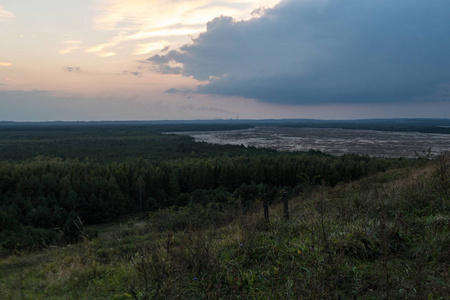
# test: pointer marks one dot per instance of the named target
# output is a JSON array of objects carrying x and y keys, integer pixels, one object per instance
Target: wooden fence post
[{"x": 266, "y": 207}]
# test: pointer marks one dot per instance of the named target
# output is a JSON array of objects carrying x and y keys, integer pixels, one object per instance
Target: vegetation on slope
[
  {"x": 384, "y": 236},
  {"x": 69, "y": 176}
]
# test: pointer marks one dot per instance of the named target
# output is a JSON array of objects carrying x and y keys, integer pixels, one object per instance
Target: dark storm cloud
[{"x": 304, "y": 52}]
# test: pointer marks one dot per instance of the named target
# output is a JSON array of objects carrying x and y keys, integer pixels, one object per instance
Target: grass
[{"x": 383, "y": 237}]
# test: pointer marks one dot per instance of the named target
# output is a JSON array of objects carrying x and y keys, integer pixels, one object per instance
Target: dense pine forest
[{"x": 359, "y": 227}]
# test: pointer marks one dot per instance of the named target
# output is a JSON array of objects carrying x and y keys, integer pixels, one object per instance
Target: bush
[{"x": 27, "y": 238}]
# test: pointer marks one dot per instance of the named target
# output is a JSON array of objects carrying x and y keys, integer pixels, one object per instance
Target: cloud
[
  {"x": 68, "y": 50},
  {"x": 323, "y": 51},
  {"x": 5, "y": 64},
  {"x": 174, "y": 20},
  {"x": 134, "y": 73},
  {"x": 5, "y": 15},
  {"x": 147, "y": 16},
  {"x": 72, "y": 69},
  {"x": 179, "y": 91},
  {"x": 107, "y": 54},
  {"x": 150, "y": 47},
  {"x": 70, "y": 46}
]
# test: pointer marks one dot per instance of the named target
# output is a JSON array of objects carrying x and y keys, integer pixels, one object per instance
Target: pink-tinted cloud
[{"x": 5, "y": 15}]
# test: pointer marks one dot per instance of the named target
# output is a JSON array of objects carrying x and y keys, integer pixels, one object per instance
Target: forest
[{"x": 53, "y": 179}]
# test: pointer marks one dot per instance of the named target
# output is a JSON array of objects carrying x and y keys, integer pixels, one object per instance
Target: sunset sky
[{"x": 203, "y": 59}]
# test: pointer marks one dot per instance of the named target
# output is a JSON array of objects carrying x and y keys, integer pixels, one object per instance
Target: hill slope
[{"x": 385, "y": 236}]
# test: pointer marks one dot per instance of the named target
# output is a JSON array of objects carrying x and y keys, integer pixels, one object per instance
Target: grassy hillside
[{"x": 383, "y": 237}]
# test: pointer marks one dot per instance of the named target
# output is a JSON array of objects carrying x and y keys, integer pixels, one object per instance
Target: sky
[{"x": 92, "y": 60}]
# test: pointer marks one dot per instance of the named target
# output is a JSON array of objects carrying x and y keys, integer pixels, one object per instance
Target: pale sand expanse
[{"x": 330, "y": 140}]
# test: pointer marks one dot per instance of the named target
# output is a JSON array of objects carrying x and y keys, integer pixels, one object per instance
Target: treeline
[
  {"x": 48, "y": 199},
  {"x": 441, "y": 126}
]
